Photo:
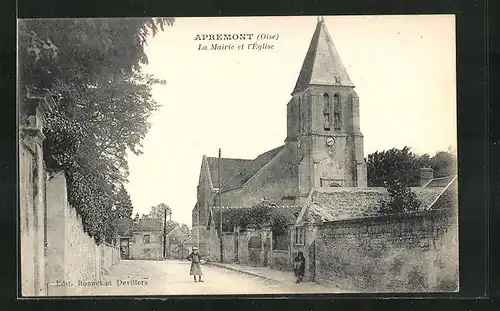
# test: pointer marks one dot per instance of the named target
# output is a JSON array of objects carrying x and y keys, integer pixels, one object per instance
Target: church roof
[
  {"x": 229, "y": 169},
  {"x": 322, "y": 63},
  {"x": 235, "y": 172}
]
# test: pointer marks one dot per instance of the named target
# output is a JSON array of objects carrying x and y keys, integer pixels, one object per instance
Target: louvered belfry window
[
  {"x": 337, "y": 114},
  {"x": 327, "y": 112}
]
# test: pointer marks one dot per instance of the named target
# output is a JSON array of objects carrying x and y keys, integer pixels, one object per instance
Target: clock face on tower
[{"x": 330, "y": 141}]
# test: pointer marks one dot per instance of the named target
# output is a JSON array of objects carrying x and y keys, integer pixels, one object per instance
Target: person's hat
[{"x": 195, "y": 247}]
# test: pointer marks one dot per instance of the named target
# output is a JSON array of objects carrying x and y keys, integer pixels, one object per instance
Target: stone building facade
[{"x": 143, "y": 239}]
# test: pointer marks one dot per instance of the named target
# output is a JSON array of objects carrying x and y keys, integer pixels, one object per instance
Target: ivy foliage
[
  {"x": 401, "y": 199},
  {"x": 258, "y": 217},
  {"x": 92, "y": 67}
]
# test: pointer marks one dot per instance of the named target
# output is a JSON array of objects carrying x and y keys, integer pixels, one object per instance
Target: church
[
  {"x": 320, "y": 170},
  {"x": 323, "y": 147}
]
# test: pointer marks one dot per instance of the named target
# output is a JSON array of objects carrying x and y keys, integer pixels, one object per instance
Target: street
[{"x": 171, "y": 277}]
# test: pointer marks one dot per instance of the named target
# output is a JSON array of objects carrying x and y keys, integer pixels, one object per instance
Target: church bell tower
[{"x": 323, "y": 120}]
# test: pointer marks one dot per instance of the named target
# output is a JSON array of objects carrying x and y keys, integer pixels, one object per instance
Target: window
[
  {"x": 327, "y": 112},
  {"x": 337, "y": 80},
  {"x": 147, "y": 239},
  {"x": 300, "y": 116},
  {"x": 299, "y": 235},
  {"x": 337, "y": 107}
]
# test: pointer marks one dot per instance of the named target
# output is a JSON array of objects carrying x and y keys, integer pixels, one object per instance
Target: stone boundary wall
[
  {"x": 413, "y": 252},
  {"x": 73, "y": 257}
]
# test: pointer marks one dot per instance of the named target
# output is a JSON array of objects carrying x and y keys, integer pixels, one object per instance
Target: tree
[
  {"x": 444, "y": 163},
  {"x": 401, "y": 199},
  {"x": 158, "y": 211},
  {"x": 185, "y": 230},
  {"x": 123, "y": 204},
  {"x": 401, "y": 164},
  {"x": 404, "y": 165},
  {"x": 92, "y": 67}
]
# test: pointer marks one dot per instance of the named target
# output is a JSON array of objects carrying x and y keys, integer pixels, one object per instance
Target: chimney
[
  {"x": 426, "y": 175},
  {"x": 136, "y": 219}
]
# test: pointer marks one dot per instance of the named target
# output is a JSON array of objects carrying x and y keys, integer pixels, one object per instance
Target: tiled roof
[
  {"x": 440, "y": 182},
  {"x": 347, "y": 203},
  {"x": 322, "y": 62},
  {"x": 329, "y": 204},
  {"x": 251, "y": 168},
  {"x": 149, "y": 225},
  {"x": 448, "y": 198},
  {"x": 235, "y": 172},
  {"x": 229, "y": 169},
  {"x": 427, "y": 195}
]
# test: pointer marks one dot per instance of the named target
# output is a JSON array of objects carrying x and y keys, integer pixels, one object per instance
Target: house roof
[
  {"x": 322, "y": 62},
  {"x": 440, "y": 182},
  {"x": 330, "y": 204},
  {"x": 235, "y": 172},
  {"x": 448, "y": 198},
  {"x": 148, "y": 225}
]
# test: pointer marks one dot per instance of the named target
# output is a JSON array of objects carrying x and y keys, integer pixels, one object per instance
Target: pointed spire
[{"x": 322, "y": 64}]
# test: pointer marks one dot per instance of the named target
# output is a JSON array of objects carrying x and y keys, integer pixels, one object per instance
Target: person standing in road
[
  {"x": 195, "y": 259},
  {"x": 299, "y": 266}
]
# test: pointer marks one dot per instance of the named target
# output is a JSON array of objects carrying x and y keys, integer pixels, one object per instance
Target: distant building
[{"x": 141, "y": 238}]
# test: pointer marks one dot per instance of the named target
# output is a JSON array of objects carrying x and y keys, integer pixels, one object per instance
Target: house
[{"x": 141, "y": 238}]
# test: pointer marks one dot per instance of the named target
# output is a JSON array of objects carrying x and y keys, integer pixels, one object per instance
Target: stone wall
[
  {"x": 280, "y": 260},
  {"x": 411, "y": 252},
  {"x": 32, "y": 207},
  {"x": 208, "y": 242},
  {"x": 228, "y": 246},
  {"x": 73, "y": 257},
  {"x": 243, "y": 253},
  {"x": 110, "y": 256},
  {"x": 27, "y": 219}
]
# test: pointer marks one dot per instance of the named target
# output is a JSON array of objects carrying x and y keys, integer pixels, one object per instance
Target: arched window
[
  {"x": 327, "y": 112},
  {"x": 337, "y": 112}
]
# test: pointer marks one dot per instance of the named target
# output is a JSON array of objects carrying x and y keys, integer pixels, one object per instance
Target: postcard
[{"x": 237, "y": 155}]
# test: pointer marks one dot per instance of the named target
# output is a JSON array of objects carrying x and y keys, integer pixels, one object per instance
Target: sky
[{"x": 403, "y": 68}]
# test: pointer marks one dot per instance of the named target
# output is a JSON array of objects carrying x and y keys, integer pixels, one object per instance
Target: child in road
[{"x": 195, "y": 259}]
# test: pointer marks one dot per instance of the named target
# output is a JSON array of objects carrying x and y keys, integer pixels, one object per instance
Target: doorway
[{"x": 124, "y": 249}]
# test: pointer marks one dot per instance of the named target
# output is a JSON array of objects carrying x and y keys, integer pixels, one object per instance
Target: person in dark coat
[
  {"x": 195, "y": 259},
  {"x": 299, "y": 267}
]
